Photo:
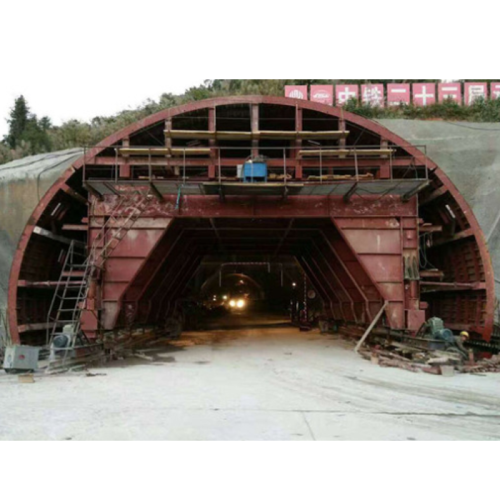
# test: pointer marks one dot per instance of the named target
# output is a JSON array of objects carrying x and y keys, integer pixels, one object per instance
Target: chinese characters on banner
[
  {"x": 296, "y": 91},
  {"x": 373, "y": 95},
  {"x": 424, "y": 94},
  {"x": 450, "y": 91},
  {"x": 344, "y": 93},
  {"x": 495, "y": 90},
  {"x": 475, "y": 90},
  {"x": 398, "y": 93},
  {"x": 322, "y": 93}
]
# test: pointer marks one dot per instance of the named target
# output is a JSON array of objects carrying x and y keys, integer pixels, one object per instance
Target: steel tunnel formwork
[{"x": 369, "y": 218}]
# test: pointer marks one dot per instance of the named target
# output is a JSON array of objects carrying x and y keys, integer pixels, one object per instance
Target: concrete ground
[{"x": 266, "y": 381}]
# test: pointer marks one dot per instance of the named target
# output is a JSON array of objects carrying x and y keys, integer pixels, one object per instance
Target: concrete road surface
[{"x": 263, "y": 381}]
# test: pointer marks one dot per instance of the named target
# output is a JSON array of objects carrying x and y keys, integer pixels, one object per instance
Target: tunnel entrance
[
  {"x": 165, "y": 270},
  {"x": 241, "y": 270},
  {"x": 152, "y": 217}
]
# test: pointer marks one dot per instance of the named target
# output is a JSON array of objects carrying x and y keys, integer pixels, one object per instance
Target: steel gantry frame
[{"x": 382, "y": 202}]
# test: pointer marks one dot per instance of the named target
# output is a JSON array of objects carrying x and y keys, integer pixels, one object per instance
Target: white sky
[
  {"x": 85, "y": 59},
  {"x": 63, "y": 99}
]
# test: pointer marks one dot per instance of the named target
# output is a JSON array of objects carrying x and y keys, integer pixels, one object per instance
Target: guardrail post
[
  {"x": 150, "y": 168},
  {"x": 116, "y": 165},
  {"x": 356, "y": 165},
  {"x": 220, "y": 179},
  {"x": 320, "y": 165},
  {"x": 184, "y": 166},
  {"x": 284, "y": 165}
]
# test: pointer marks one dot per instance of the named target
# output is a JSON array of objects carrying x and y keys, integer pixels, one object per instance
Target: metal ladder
[
  {"x": 78, "y": 270},
  {"x": 65, "y": 308}
]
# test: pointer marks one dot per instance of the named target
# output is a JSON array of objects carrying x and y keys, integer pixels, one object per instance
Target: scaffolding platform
[{"x": 379, "y": 187}]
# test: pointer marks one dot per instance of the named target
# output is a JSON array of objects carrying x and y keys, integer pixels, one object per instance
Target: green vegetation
[
  {"x": 29, "y": 135},
  {"x": 480, "y": 111}
]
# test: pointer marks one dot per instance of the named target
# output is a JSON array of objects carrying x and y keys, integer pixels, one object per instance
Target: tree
[
  {"x": 18, "y": 121},
  {"x": 26, "y": 130},
  {"x": 35, "y": 135}
]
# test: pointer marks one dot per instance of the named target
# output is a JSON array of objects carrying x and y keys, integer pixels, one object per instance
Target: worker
[{"x": 460, "y": 340}]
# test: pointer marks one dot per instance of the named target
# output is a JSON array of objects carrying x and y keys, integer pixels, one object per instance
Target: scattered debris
[
  {"x": 141, "y": 355},
  {"x": 183, "y": 343},
  {"x": 424, "y": 359},
  {"x": 485, "y": 365}
]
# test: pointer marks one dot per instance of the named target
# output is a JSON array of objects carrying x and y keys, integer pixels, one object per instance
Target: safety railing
[{"x": 318, "y": 164}]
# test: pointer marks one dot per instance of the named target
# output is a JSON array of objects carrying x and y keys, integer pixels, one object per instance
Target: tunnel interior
[{"x": 274, "y": 265}]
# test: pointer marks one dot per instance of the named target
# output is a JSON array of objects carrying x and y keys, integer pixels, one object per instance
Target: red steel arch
[{"x": 441, "y": 193}]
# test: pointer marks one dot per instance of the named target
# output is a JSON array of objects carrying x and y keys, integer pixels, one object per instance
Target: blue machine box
[{"x": 255, "y": 171}]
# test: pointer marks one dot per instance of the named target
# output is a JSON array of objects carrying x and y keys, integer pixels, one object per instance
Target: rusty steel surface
[{"x": 358, "y": 249}]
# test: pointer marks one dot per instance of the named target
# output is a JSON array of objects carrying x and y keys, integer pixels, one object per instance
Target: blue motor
[{"x": 439, "y": 333}]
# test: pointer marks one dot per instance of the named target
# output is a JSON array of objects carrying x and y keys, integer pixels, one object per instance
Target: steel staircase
[{"x": 72, "y": 289}]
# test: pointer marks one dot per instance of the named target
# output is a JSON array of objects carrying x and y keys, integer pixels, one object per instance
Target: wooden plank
[
  {"x": 76, "y": 196},
  {"x": 370, "y": 328},
  {"x": 75, "y": 227},
  {"x": 162, "y": 151},
  {"x": 255, "y": 134},
  {"x": 29, "y": 327},
  {"x": 432, "y": 273},
  {"x": 430, "y": 228},
  {"x": 407, "y": 196},
  {"x": 189, "y": 151},
  {"x": 466, "y": 233},
  {"x": 326, "y": 134},
  {"x": 190, "y": 134},
  {"x": 434, "y": 195},
  {"x": 49, "y": 234},
  {"x": 345, "y": 152}
]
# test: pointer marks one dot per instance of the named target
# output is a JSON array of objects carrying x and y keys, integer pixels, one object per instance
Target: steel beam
[{"x": 248, "y": 207}]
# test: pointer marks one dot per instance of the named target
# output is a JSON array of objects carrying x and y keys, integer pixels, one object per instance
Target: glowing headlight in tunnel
[
  {"x": 240, "y": 304},
  {"x": 232, "y": 303}
]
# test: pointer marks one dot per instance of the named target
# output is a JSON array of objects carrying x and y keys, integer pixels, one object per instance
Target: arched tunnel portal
[{"x": 369, "y": 219}]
